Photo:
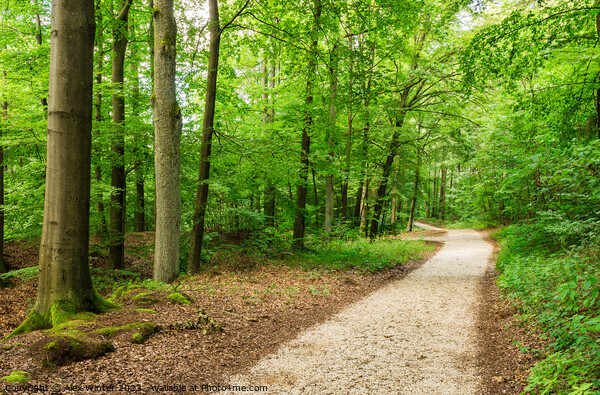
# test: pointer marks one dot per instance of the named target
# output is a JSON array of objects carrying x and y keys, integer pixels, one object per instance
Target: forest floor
[{"x": 259, "y": 309}]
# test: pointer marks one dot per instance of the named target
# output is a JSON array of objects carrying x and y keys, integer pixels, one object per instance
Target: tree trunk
[
  {"x": 443, "y": 193},
  {"x": 98, "y": 117},
  {"x": 393, "y": 211},
  {"x": 207, "y": 132},
  {"x": 298, "y": 235},
  {"x": 117, "y": 180},
  {"x": 331, "y": 140},
  {"x": 140, "y": 217},
  {"x": 316, "y": 198},
  {"x": 434, "y": 206},
  {"x": 346, "y": 170},
  {"x": 269, "y": 115},
  {"x": 152, "y": 53},
  {"x": 413, "y": 203},
  {"x": 167, "y": 134},
  {"x": 387, "y": 168},
  {"x": 139, "y": 212},
  {"x": 364, "y": 208},
  {"x": 65, "y": 285},
  {"x": 3, "y": 265},
  {"x": 358, "y": 204}
]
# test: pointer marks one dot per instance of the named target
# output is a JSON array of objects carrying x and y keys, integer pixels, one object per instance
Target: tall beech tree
[
  {"x": 216, "y": 31},
  {"x": 307, "y": 129},
  {"x": 4, "y": 118},
  {"x": 197, "y": 237},
  {"x": 117, "y": 209},
  {"x": 167, "y": 134},
  {"x": 65, "y": 285}
]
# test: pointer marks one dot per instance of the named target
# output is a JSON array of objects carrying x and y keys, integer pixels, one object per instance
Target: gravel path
[{"x": 414, "y": 336}]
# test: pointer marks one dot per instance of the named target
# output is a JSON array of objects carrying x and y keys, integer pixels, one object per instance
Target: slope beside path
[{"x": 414, "y": 336}]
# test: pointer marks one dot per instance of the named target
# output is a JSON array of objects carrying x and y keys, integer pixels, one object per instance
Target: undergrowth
[
  {"x": 554, "y": 280},
  {"x": 359, "y": 254}
]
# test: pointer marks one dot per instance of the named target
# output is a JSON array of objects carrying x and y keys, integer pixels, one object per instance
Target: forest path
[{"x": 414, "y": 336}]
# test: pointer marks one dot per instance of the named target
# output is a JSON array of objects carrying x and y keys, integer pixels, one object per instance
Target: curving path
[{"x": 414, "y": 336}]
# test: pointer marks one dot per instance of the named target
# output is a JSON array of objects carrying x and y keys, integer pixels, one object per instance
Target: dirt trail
[{"x": 414, "y": 336}]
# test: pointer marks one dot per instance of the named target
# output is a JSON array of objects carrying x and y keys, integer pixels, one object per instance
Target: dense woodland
[{"x": 292, "y": 123}]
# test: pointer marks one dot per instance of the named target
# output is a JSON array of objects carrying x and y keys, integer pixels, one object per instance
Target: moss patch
[
  {"x": 150, "y": 311},
  {"x": 137, "y": 332},
  {"x": 145, "y": 298},
  {"x": 179, "y": 298},
  {"x": 137, "y": 338},
  {"x": 18, "y": 376},
  {"x": 135, "y": 294},
  {"x": 53, "y": 351}
]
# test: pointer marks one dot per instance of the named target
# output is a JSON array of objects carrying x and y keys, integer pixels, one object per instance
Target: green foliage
[
  {"x": 17, "y": 376},
  {"x": 557, "y": 289},
  {"x": 24, "y": 274},
  {"x": 359, "y": 255}
]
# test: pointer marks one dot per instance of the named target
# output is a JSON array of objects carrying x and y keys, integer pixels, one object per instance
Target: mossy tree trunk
[
  {"x": 65, "y": 285},
  {"x": 167, "y": 135}
]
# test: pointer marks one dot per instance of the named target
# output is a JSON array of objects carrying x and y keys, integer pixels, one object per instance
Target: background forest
[{"x": 337, "y": 120}]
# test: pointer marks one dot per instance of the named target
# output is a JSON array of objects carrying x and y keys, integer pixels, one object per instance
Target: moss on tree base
[{"x": 59, "y": 312}]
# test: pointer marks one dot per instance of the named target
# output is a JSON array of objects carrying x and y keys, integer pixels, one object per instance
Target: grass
[{"x": 359, "y": 255}]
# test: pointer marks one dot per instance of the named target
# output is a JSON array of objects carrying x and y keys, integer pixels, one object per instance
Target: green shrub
[{"x": 556, "y": 287}]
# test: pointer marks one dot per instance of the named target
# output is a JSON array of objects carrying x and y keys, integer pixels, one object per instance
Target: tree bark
[
  {"x": 269, "y": 115},
  {"x": 444, "y": 171},
  {"x": 413, "y": 203},
  {"x": 99, "y": 118},
  {"x": 64, "y": 275},
  {"x": 117, "y": 180},
  {"x": 299, "y": 225},
  {"x": 207, "y": 132},
  {"x": 167, "y": 135},
  {"x": 139, "y": 212},
  {"x": 387, "y": 168},
  {"x": 316, "y": 198},
  {"x": 3, "y": 265},
  {"x": 330, "y": 140},
  {"x": 434, "y": 206},
  {"x": 346, "y": 170}
]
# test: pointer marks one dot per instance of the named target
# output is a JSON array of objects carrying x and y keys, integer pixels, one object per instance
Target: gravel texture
[{"x": 414, "y": 336}]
